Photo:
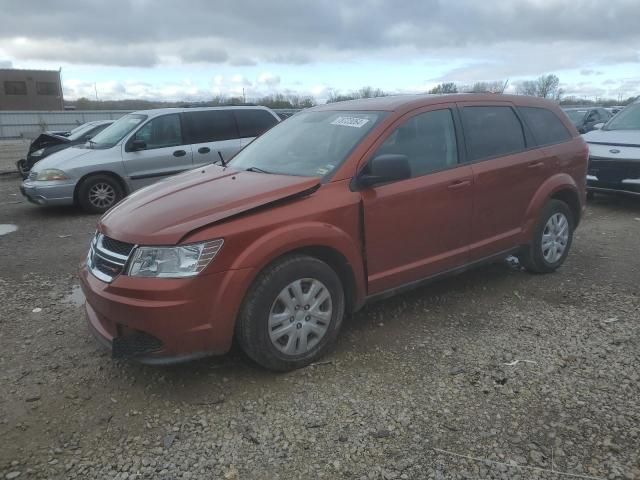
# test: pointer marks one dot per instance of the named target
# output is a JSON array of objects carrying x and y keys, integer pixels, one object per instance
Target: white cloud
[{"x": 268, "y": 78}]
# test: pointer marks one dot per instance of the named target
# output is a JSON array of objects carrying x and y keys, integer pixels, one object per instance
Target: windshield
[
  {"x": 309, "y": 144},
  {"x": 575, "y": 115},
  {"x": 80, "y": 131},
  {"x": 626, "y": 119},
  {"x": 117, "y": 131}
]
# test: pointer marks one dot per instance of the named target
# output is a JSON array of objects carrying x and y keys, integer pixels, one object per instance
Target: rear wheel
[
  {"x": 552, "y": 239},
  {"x": 292, "y": 313},
  {"x": 99, "y": 193}
]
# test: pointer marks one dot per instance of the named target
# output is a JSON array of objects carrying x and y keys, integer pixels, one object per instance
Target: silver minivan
[{"x": 141, "y": 148}]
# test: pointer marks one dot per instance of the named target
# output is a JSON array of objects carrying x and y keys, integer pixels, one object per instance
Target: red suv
[{"x": 338, "y": 205}]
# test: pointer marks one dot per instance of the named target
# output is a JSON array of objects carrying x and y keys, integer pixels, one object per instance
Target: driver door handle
[
  {"x": 204, "y": 150},
  {"x": 179, "y": 153},
  {"x": 458, "y": 184},
  {"x": 536, "y": 165}
]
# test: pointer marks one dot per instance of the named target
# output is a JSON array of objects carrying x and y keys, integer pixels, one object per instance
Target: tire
[
  {"x": 538, "y": 259},
  {"x": 591, "y": 196},
  {"x": 21, "y": 165},
  {"x": 91, "y": 188},
  {"x": 273, "y": 332}
]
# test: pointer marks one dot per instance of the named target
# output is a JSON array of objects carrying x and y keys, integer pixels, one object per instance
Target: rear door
[
  {"x": 419, "y": 227},
  {"x": 165, "y": 152},
  {"x": 211, "y": 133},
  {"x": 507, "y": 171},
  {"x": 253, "y": 123}
]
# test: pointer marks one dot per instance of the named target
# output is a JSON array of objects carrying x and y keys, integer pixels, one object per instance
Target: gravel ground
[
  {"x": 10, "y": 152},
  {"x": 517, "y": 374}
]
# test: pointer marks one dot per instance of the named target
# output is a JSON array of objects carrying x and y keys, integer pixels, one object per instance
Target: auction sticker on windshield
[{"x": 355, "y": 122}]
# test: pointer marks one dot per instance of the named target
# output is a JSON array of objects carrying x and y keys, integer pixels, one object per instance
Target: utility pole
[
  {"x": 244, "y": 99},
  {"x": 95, "y": 88}
]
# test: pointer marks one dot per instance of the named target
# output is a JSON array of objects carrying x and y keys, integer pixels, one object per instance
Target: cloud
[
  {"x": 6, "y": 64},
  {"x": 269, "y": 79},
  {"x": 206, "y": 54},
  {"x": 242, "y": 62}
]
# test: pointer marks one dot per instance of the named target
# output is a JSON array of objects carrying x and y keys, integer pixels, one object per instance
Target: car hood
[
  {"x": 62, "y": 158},
  {"x": 629, "y": 138},
  {"x": 47, "y": 140},
  {"x": 166, "y": 212}
]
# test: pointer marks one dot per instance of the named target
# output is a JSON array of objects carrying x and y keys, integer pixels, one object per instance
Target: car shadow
[{"x": 619, "y": 202}]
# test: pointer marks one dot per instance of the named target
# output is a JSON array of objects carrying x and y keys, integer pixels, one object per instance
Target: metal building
[{"x": 30, "y": 90}]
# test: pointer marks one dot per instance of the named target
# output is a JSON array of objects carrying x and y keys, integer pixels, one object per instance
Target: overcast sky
[{"x": 192, "y": 50}]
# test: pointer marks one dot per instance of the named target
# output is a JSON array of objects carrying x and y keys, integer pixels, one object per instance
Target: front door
[
  {"x": 419, "y": 227},
  {"x": 163, "y": 151}
]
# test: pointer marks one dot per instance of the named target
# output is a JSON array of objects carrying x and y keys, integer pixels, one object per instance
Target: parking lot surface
[{"x": 492, "y": 374}]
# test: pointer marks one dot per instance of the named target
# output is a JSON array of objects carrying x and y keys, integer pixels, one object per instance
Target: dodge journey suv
[{"x": 337, "y": 206}]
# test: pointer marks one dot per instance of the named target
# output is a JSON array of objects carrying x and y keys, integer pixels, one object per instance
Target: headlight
[
  {"x": 173, "y": 262},
  {"x": 51, "y": 174},
  {"x": 37, "y": 153}
]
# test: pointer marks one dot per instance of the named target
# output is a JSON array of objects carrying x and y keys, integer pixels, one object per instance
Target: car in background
[
  {"x": 585, "y": 119},
  {"x": 614, "y": 154},
  {"x": 48, "y": 143},
  {"x": 337, "y": 206},
  {"x": 614, "y": 110},
  {"x": 141, "y": 148}
]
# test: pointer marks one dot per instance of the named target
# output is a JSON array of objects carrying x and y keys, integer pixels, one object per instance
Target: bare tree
[
  {"x": 545, "y": 86},
  {"x": 448, "y": 87}
]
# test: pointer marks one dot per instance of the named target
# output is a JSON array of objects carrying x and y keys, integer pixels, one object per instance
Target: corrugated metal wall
[
  {"x": 25, "y": 124},
  {"x": 16, "y": 124}
]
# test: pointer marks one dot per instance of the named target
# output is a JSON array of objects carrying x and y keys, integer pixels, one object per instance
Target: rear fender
[{"x": 553, "y": 185}]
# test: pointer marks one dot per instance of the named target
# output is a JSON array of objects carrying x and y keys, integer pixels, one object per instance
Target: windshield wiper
[
  {"x": 91, "y": 143},
  {"x": 256, "y": 169}
]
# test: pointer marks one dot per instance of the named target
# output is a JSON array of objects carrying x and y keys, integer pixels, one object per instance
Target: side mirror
[
  {"x": 138, "y": 145},
  {"x": 598, "y": 126},
  {"x": 386, "y": 168}
]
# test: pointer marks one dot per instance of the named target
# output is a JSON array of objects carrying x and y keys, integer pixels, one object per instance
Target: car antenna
[{"x": 224, "y": 164}]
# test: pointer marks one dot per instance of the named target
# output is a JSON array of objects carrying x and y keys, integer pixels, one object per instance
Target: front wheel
[
  {"x": 292, "y": 313},
  {"x": 98, "y": 193},
  {"x": 552, "y": 239}
]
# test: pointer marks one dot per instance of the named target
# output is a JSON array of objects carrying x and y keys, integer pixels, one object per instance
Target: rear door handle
[
  {"x": 204, "y": 150},
  {"x": 179, "y": 153},
  {"x": 536, "y": 165},
  {"x": 459, "y": 184}
]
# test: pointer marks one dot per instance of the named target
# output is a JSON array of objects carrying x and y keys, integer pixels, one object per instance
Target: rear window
[
  {"x": 546, "y": 127},
  {"x": 492, "y": 131},
  {"x": 252, "y": 123},
  {"x": 210, "y": 126}
]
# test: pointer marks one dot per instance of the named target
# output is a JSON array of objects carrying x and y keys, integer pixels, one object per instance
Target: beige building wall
[{"x": 30, "y": 90}]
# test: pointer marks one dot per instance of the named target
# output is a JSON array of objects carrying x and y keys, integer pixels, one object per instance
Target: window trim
[
  {"x": 535, "y": 139},
  {"x": 132, "y": 135},
  {"x": 369, "y": 155},
  {"x": 527, "y": 136},
  {"x": 26, "y": 88}
]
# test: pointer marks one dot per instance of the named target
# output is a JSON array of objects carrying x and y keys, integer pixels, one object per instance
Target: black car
[
  {"x": 586, "y": 118},
  {"x": 50, "y": 142}
]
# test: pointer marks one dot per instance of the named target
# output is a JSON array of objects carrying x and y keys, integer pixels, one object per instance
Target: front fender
[
  {"x": 286, "y": 239},
  {"x": 554, "y": 184}
]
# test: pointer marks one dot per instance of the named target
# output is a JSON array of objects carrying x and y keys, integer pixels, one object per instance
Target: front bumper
[
  {"x": 48, "y": 193},
  {"x": 614, "y": 176},
  {"x": 175, "y": 319}
]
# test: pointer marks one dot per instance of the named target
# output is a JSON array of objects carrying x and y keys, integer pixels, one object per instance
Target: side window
[
  {"x": 15, "y": 88},
  {"x": 210, "y": 126},
  {"x": 492, "y": 131},
  {"x": 252, "y": 123},
  {"x": 546, "y": 127},
  {"x": 94, "y": 131},
  {"x": 428, "y": 140},
  {"x": 161, "y": 132}
]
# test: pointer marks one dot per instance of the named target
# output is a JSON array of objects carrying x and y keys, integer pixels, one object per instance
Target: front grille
[
  {"x": 107, "y": 257},
  {"x": 117, "y": 246}
]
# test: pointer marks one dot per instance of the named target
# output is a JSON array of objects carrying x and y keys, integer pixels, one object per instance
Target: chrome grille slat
[{"x": 105, "y": 263}]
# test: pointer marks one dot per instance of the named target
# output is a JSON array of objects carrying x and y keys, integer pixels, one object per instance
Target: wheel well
[
  {"x": 340, "y": 265},
  {"x": 115, "y": 176},
  {"x": 571, "y": 198}
]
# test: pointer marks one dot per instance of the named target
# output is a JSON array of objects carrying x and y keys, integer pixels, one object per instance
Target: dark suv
[{"x": 586, "y": 119}]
